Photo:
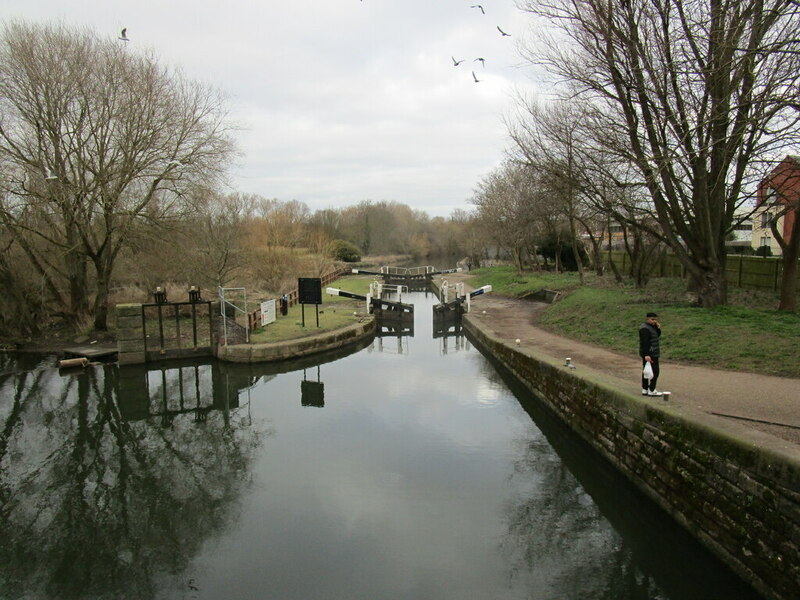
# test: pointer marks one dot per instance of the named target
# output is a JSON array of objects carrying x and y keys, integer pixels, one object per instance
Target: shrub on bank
[{"x": 344, "y": 251}]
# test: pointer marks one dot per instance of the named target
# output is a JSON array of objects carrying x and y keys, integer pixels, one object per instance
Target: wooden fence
[
  {"x": 292, "y": 297},
  {"x": 751, "y": 272}
]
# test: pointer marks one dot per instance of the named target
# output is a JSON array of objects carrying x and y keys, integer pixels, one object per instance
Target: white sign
[{"x": 267, "y": 312}]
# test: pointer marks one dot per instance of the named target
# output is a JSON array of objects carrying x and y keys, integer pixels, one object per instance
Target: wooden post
[
  {"x": 741, "y": 263},
  {"x": 775, "y": 285},
  {"x": 144, "y": 334},
  {"x": 161, "y": 328},
  {"x": 211, "y": 333},
  {"x": 178, "y": 325},
  {"x": 194, "y": 324}
]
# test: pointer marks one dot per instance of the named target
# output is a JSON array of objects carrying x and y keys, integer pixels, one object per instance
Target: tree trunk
[
  {"x": 103, "y": 265},
  {"x": 710, "y": 285},
  {"x": 77, "y": 278},
  {"x": 789, "y": 285},
  {"x": 638, "y": 260},
  {"x": 574, "y": 244},
  {"x": 558, "y": 254},
  {"x": 791, "y": 251},
  {"x": 597, "y": 255},
  {"x": 516, "y": 252},
  {"x": 101, "y": 306},
  {"x": 611, "y": 263}
]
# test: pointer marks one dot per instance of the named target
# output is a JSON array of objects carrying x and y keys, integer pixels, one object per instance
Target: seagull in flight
[
  {"x": 124, "y": 35},
  {"x": 478, "y": 6},
  {"x": 503, "y": 33},
  {"x": 456, "y": 62},
  {"x": 482, "y": 61},
  {"x": 49, "y": 175},
  {"x": 475, "y": 77}
]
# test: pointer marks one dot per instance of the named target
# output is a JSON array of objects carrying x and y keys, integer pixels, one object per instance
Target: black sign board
[{"x": 309, "y": 290}]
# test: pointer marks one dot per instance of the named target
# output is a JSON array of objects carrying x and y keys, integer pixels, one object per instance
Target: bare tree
[
  {"x": 469, "y": 236},
  {"x": 790, "y": 250},
  {"x": 779, "y": 192},
  {"x": 510, "y": 203},
  {"x": 97, "y": 139},
  {"x": 551, "y": 139},
  {"x": 699, "y": 91},
  {"x": 281, "y": 224},
  {"x": 216, "y": 236}
]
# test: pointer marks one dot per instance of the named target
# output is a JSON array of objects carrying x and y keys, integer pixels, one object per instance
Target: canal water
[{"x": 410, "y": 469}]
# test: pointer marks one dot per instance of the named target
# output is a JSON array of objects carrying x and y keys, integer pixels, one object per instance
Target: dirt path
[{"x": 760, "y": 402}]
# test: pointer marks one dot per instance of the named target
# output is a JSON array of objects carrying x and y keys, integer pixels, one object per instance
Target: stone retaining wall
[
  {"x": 130, "y": 336},
  {"x": 297, "y": 348},
  {"x": 131, "y": 345},
  {"x": 741, "y": 500}
]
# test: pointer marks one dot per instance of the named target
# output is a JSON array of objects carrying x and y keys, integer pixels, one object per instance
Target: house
[
  {"x": 742, "y": 235},
  {"x": 776, "y": 190}
]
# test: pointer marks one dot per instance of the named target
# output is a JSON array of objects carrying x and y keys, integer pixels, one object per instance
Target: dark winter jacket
[{"x": 649, "y": 340}]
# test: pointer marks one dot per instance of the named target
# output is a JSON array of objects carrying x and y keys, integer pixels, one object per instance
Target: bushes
[{"x": 344, "y": 251}]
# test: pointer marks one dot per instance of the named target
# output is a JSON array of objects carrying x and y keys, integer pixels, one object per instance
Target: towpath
[{"x": 729, "y": 400}]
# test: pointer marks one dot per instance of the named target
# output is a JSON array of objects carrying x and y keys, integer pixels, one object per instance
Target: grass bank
[
  {"x": 335, "y": 312},
  {"x": 748, "y": 334}
]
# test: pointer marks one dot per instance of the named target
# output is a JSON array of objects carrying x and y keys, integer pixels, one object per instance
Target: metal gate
[{"x": 177, "y": 329}]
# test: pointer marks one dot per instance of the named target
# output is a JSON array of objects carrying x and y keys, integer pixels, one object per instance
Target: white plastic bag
[{"x": 647, "y": 372}]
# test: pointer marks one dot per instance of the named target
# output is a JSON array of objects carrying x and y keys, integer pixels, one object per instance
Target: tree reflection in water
[
  {"x": 93, "y": 505},
  {"x": 558, "y": 532},
  {"x": 580, "y": 530}
]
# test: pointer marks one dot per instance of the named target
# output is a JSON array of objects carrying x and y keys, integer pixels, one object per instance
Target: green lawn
[
  {"x": 748, "y": 334},
  {"x": 506, "y": 280},
  {"x": 335, "y": 312}
]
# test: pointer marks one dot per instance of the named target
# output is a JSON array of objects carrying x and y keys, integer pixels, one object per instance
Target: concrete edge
[{"x": 298, "y": 348}]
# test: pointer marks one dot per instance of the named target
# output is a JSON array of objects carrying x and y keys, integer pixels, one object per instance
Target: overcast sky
[{"x": 338, "y": 101}]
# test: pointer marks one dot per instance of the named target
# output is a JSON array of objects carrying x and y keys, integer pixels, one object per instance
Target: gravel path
[{"x": 728, "y": 399}]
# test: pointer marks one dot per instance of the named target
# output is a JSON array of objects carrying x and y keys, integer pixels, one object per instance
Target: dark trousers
[{"x": 651, "y": 385}]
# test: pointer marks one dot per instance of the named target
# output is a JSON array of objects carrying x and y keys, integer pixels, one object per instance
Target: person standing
[{"x": 650, "y": 350}]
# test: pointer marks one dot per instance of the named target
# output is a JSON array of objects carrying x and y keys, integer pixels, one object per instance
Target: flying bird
[
  {"x": 49, "y": 175},
  {"x": 482, "y": 61},
  {"x": 124, "y": 35},
  {"x": 478, "y": 6},
  {"x": 475, "y": 77},
  {"x": 456, "y": 62},
  {"x": 503, "y": 33}
]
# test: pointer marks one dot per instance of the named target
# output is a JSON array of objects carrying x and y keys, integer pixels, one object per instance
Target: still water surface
[{"x": 412, "y": 469}]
